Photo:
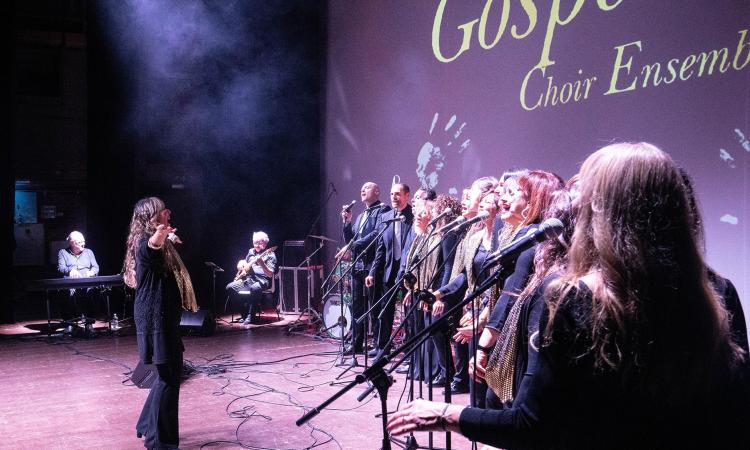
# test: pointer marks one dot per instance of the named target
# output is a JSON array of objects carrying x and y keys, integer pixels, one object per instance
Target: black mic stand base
[{"x": 352, "y": 364}]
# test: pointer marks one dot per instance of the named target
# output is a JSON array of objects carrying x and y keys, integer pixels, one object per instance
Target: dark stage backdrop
[{"x": 440, "y": 92}]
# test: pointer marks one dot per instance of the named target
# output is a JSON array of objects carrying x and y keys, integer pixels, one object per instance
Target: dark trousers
[
  {"x": 359, "y": 306},
  {"x": 460, "y": 370},
  {"x": 428, "y": 362},
  {"x": 84, "y": 301},
  {"x": 252, "y": 296},
  {"x": 384, "y": 326},
  {"x": 440, "y": 338},
  {"x": 462, "y": 363},
  {"x": 477, "y": 389},
  {"x": 158, "y": 422}
]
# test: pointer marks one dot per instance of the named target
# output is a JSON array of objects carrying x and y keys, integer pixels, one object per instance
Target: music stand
[{"x": 214, "y": 269}]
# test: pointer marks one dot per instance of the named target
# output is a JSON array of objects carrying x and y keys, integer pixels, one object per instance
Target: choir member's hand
[
  {"x": 424, "y": 415},
  {"x": 370, "y": 281},
  {"x": 463, "y": 334},
  {"x": 438, "y": 307},
  {"x": 342, "y": 253},
  {"x": 477, "y": 368},
  {"x": 407, "y": 299},
  {"x": 160, "y": 235},
  {"x": 74, "y": 273},
  {"x": 90, "y": 273}
]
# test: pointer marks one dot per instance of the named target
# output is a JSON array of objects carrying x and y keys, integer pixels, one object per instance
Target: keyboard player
[{"x": 77, "y": 261}]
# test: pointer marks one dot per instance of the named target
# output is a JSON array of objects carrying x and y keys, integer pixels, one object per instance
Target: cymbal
[{"x": 322, "y": 238}]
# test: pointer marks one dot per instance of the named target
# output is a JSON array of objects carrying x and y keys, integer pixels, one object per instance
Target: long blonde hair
[
  {"x": 143, "y": 223},
  {"x": 654, "y": 312}
]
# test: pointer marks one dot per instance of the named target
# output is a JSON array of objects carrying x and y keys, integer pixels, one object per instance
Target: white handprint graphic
[{"x": 432, "y": 155}]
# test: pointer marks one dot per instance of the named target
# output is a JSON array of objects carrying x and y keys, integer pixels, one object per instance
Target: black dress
[
  {"x": 157, "y": 313},
  {"x": 564, "y": 402}
]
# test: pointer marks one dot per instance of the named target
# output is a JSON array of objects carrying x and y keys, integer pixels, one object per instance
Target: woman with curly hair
[{"x": 162, "y": 289}]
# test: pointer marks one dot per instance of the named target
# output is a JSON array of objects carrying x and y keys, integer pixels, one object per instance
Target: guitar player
[{"x": 254, "y": 273}]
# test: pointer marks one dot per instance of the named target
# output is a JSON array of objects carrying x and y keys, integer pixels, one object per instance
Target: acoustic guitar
[{"x": 242, "y": 272}]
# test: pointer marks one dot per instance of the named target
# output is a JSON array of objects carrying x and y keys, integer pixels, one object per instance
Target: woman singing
[
  {"x": 162, "y": 289},
  {"x": 433, "y": 270}
]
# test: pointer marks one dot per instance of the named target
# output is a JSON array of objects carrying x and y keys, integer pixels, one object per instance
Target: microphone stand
[
  {"x": 382, "y": 380},
  {"x": 307, "y": 260},
  {"x": 349, "y": 272},
  {"x": 354, "y": 262},
  {"x": 322, "y": 208},
  {"x": 392, "y": 291},
  {"x": 214, "y": 268},
  {"x": 411, "y": 441},
  {"x": 399, "y": 281}
]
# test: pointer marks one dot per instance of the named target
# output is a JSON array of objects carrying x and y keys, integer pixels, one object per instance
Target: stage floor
[{"x": 249, "y": 388}]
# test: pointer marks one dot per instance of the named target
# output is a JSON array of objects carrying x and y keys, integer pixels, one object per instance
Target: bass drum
[{"x": 337, "y": 324}]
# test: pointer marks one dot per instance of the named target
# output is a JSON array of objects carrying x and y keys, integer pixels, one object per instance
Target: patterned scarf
[
  {"x": 427, "y": 268},
  {"x": 181, "y": 275},
  {"x": 501, "y": 365}
]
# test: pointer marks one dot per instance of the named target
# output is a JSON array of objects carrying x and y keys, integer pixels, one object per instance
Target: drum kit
[{"x": 337, "y": 313}]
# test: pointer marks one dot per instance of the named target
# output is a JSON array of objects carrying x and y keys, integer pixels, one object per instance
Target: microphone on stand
[
  {"x": 445, "y": 212},
  {"x": 398, "y": 218},
  {"x": 455, "y": 222},
  {"x": 549, "y": 229},
  {"x": 461, "y": 222}
]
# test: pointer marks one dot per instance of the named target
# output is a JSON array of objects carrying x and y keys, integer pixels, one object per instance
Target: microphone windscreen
[{"x": 551, "y": 227}]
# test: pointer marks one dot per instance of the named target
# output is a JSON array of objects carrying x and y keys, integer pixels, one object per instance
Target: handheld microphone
[
  {"x": 347, "y": 208},
  {"x": 549, "y": 229},
  {"x": 445, "y": 212}
]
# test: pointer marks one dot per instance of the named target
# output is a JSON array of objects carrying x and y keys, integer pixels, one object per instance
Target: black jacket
[
  {"x": 361, "y": 232},
  {"x": 385, "y": 263}
]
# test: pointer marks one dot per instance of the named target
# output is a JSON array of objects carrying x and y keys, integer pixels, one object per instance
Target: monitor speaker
[{"x": 200, "y": 322}]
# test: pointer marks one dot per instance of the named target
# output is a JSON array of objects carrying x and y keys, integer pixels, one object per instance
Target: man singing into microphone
[
  {"x": 388, "y": 259},
  {"x": 358, "y": 236}
]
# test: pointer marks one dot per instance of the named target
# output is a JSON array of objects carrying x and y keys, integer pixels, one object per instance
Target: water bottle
[{"x": 115, "y": 323}]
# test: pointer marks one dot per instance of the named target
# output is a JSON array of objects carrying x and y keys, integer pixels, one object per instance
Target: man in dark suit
[
  {"x": 388, "y": 258},
  {"x": 359, "y": 235}
]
